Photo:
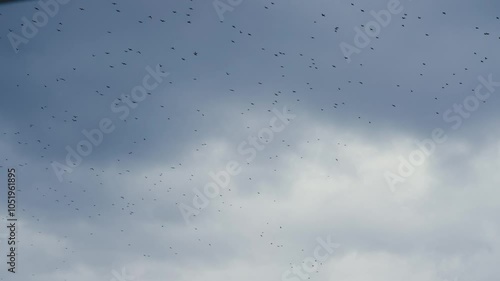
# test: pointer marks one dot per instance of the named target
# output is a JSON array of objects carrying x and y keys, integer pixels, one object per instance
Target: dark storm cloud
[{"x": 323, "y": 175}]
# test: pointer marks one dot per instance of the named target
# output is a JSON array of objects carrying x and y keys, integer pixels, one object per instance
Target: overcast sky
[{"x": 320, "y": 146}]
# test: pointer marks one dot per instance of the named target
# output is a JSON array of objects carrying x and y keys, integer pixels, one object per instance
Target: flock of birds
[{"x": 49, "y": 121}]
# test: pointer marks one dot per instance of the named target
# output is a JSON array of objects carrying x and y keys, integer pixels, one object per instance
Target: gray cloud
[{"x": 323, "y": 175}]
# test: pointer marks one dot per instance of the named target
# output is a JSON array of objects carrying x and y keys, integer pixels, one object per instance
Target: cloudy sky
[{"x": 251, "y": 139}]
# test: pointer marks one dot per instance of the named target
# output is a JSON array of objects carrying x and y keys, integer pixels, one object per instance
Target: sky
[{"x": 251, "y": 140}]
